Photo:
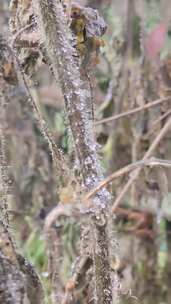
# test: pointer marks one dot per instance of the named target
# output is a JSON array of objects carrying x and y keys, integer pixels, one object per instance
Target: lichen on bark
[{"x": 58, "y": 41}]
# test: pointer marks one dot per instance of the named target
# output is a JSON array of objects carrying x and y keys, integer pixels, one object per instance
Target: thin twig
[
  {"x": 55, "y": 213},
  {"x": 81, "y": 267},
  {"x": 125, "y": 170},
  {"x": 149, "y": 152},
  {"x": 133, "y": 111},
  {"x": 152, "y": 128},
  {"x": 22, "y": 30},
  {"x": 57, "y": 154}
]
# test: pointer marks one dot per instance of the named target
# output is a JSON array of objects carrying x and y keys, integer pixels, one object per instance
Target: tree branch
[
  {"x": 58, "y": 42},
  {"x": 126, "y": 170},
  {"x": 149, "y": 152},
  {"x": 133, "y": 111}
]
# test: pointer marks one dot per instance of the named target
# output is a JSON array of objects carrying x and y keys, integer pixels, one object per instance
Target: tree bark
[
  {"x": 64, "y": 59},
  {"x": 19, "y": 283}
]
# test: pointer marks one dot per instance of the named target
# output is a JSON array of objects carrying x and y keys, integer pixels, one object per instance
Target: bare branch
[
  {"x": 155, "y": 123},
  {"x": 149, "y": 152},
  {"x": 133, "y": 111},
  {"x": 57, "y": 155},
  {"x": 58, "y": 42},
  {"x": 126, "y": 170}
]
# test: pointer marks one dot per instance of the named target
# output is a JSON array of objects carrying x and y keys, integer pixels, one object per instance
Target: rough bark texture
[
  {"x": 19, "y": 283},
  {"x": 58, "y": 42},
  {"x": 11, "y": 284},
  {"x": 12, "y": 281}
]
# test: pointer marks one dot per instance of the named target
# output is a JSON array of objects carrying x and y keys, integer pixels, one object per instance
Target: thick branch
[{"x": 58, "y": 42}]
